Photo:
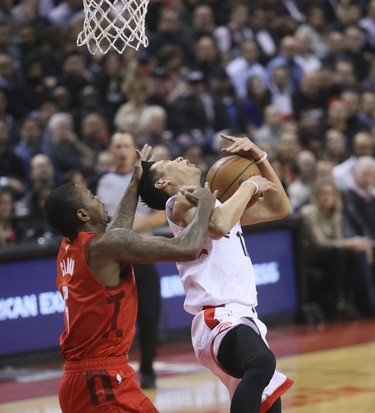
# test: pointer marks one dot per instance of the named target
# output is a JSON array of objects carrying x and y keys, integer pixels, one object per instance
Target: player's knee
[{"x": 263, "y": 366}]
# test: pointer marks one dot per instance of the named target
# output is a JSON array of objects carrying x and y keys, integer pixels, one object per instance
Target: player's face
[
  {"x": 94, "y": 207},
  {"x": 179, "y": 169}
]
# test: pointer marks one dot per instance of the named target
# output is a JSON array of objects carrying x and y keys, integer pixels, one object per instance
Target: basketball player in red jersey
[
  {"x": 96, "y": 280},
  {"x": 227, "y": 335}
]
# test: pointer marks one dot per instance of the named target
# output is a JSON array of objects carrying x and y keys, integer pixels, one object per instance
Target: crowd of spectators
[{"x": 297, "y": 76}]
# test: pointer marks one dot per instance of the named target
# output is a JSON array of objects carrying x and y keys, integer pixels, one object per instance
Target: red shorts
[{"x": 102, "y": 386}]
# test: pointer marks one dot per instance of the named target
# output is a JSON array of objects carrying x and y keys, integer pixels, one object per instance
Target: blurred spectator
[
  {"x": 9, "y": 231},
  {"x": 369, "y": 82},
  {"x": 366, "y": 112},
  {"x": 316, "y": 27},
  {"x": 35, "y": 88},
  {"x": 335, "y": 148},
  {"x": 257, "y": 98},
  {"x": 324, "y": 170},
  {"x": 94, "y": 132},
  {"x": 336, "y": 49},
  {"x": 12, "y": 172},
  {"x": 74, "y": 75},
  {"x": 355, "y": 51},
  {"x": 33, "y": 225},
  {"x": 31, "y": 142},
  {"x": 347, "y": 13},
  {"x": 287, "y": 58},
  {"x": 75, "y": 177},
  {"x": 367, "y": 23},
  {"x": 161, "y": 153},
  {"x": 42, "y": 174},
  {"x": 230, "y": 36},
  {"x": 202, "y": 22},
  {"x": 169, "y": 32},
  {"x": 344, "y": 75},
  {"x": 90, "y": 102},
  {"x": 346, "y": 281},
  {"x": 264, "y": 33},
  {"x": 281, "y": 91},
  {"x": 17, "y": 103},
  {"x": 196, "y": 111},
  {"x": 152, "y": 129},
  {"x": 351, "y": 100},
  {"x": 229, "y": 106},
  {"x": 206, "y": 58},
  {"x": 305, "y": 56},
  {"x": 337, "y": 118},
  {"x": 135, "y": 91},
  {"x": 109, "y": 79},
  {"x": 63, "y": 98},
  {"x": 288, "y": 148},
  {"x": 359, "y": 200},
  {"x": 245, "y": 66},
  {"x": 11, "y": 123},
  {"x": 66, "y": 11},
  {"x": 67, "y": 151},
  {"x": 343, "y": 172},
  {"x": 103, "y": 164},
  {"x": 271, "y": 128},
  {"x": 308, "y": 101},
  {"x": 300, "y": 190},
  {"x": 7, "y": 46}
]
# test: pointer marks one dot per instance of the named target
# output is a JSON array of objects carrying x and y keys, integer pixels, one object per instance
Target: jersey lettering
[
  {"x": 67, "y": 267},
  {"x": 116, "y": 301}
]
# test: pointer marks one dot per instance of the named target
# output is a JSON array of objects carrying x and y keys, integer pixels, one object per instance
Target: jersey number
[
  {"x": 116, "y": 301},
  {"x": 242, "y": 241},
  {"x": 92, "y": 379},
  {"x": 65, "y": 294}
]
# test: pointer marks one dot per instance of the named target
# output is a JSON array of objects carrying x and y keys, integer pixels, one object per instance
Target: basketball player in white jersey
[{"x": 228, "y": 338}]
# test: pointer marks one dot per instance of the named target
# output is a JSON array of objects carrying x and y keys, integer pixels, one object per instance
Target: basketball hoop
[{"x": 113, "y": 24}]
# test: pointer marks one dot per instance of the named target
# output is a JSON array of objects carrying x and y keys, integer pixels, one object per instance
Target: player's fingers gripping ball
[{"x": 228, "y": 173}]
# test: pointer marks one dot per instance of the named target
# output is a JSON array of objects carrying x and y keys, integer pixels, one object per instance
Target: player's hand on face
[
  {"x": 198, "y": 195},
  {"x": 261, "y": 184},
  {"x": 142, "y": 155},
  {"x": 242, "y": 147}
]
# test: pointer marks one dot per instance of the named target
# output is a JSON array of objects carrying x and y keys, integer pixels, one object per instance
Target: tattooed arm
[{"x": 116, "y": 247}]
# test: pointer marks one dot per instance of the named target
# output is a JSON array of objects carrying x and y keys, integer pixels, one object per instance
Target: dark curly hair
[
  {"x": 60, "y": 209},
  {"x": 151, "y": 196}
]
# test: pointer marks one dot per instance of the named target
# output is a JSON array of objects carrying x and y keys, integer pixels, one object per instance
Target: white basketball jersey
[{"x": 222, "y": 274}]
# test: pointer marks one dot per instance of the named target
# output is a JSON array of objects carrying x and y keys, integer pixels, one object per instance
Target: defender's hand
[
  {"x": 143, "y": 155},
  {"x": 197, "y": 195}
]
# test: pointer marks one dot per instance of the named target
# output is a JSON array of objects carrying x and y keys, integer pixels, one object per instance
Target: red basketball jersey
[{"x": 99, "y": 320}]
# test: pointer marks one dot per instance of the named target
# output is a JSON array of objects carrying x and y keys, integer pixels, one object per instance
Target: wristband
[
  {"x": 262, "y": 159},
  {"x": 256, "y": 186}
]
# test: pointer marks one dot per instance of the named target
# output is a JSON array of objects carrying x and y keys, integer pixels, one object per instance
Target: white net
[{"x": 113, "y": 24}]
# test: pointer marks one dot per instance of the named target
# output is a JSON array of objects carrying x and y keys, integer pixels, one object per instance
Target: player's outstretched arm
[
  {"x": 122, "y": 245},
  {"x": 274, "y": 204}
]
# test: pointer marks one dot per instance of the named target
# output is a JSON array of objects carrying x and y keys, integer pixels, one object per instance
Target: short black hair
[
  {"x": 61, "y": 208},
  {"x": 154, "y": 198}
]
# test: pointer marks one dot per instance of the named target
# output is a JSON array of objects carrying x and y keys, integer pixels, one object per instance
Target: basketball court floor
[{"x": 333, "y": 367}]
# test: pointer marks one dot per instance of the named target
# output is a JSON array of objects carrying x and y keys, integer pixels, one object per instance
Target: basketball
[{"x": 227, "y": 174}]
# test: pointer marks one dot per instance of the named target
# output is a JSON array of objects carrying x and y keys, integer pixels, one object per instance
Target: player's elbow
[{"x": 190, "y": 254}]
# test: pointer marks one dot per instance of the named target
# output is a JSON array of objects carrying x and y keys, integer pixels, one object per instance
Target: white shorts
[{"x": 209, "y": 328}]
